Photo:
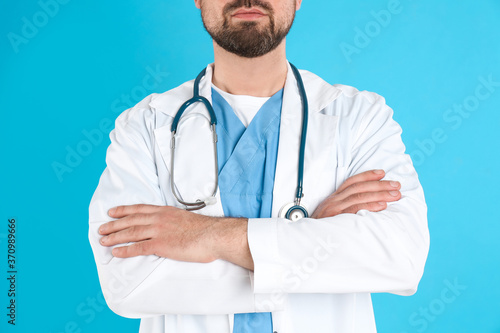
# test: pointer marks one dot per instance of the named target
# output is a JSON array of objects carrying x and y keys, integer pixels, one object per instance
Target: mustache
[{"x": 248, "y": 3}]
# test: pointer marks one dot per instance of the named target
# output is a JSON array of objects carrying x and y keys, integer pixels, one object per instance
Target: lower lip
[{"x": 249, "y": 16}]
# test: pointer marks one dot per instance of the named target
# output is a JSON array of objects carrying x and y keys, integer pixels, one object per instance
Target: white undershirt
[{"x": 244, "y": 106}]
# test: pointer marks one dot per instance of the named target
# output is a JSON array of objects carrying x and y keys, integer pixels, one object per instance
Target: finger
[
  {"x": 132, "y": 234},
  {"x": 369, "y": 186},
  {"x": 122, "y": 211},
  {"x": 361, "y": 177},
  {"x": 333, "y": 210},
  {"x": 137, "y": 249},
  {"x": 326, "y": 211},
  {"x": 370, "y": 206},
  {"x": 364, "y": 198},
  {"x": 123, "y": 223}
]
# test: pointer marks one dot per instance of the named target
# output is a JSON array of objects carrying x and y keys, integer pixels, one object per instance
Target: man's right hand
[{"x": 362, "y": 191}]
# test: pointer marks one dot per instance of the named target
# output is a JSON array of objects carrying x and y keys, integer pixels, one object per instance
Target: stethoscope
[{"x": 292, "y": 211}]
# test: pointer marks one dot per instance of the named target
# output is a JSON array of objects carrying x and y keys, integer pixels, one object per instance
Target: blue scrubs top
[{"x": 247, "y": 165}]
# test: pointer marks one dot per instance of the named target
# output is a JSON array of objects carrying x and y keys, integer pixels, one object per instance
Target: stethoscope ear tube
[
  {"x": 195, "y": 99},
  {"x": 199, "y": 204}
]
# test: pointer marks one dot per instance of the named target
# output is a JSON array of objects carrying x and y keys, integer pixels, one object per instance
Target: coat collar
[{"x": 319, "y": 92}]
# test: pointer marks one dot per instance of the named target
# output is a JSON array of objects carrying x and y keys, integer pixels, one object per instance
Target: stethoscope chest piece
[{"x": 293, "y": 212}]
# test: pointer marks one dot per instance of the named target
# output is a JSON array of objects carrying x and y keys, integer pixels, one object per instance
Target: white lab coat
[{"x": 313, "y": 275}]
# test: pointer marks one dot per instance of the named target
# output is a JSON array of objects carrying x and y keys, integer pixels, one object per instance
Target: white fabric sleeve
[
  {"x": 147, "y": 286},
  {"x": 349, "y": 253}
]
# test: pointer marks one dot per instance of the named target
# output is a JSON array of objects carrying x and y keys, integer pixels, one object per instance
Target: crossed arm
[{"x": 177, "y": 234}]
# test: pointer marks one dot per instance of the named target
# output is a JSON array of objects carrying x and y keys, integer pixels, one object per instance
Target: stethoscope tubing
[
  {"x": 303, "y": 135},
  {"x": 197, "y": 98}
]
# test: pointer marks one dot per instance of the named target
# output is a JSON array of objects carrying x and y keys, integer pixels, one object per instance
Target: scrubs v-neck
[{"x": 247, "y": 165}]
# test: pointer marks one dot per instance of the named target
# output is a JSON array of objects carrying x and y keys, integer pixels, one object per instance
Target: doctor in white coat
[{"x": 182, "y": 271}]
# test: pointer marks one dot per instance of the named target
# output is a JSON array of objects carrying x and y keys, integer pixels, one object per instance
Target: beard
[{"x": 247, "y": 39}]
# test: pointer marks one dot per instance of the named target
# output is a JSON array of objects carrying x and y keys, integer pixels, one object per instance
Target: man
[{"x": 252, "y": 271}]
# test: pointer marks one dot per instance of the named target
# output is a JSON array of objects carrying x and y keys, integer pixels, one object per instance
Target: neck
[{"x": 259, "y": 77}]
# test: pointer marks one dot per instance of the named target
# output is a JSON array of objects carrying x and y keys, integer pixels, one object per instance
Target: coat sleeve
[
  {"x": 147, "y": 286},
  {"x": 349, "y": 253}
]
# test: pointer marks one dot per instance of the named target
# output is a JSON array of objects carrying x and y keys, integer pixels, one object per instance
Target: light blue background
[{"x": 71, "y": 74}]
